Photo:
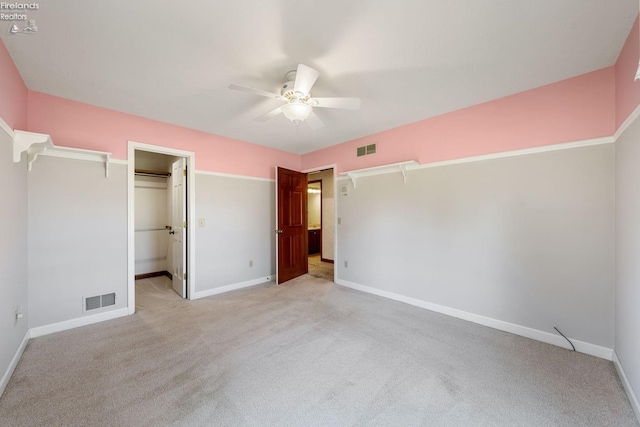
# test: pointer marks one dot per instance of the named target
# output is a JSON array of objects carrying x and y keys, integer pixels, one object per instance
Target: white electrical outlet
[
  {"x": 250, "y": 263},
  {"x": 339, "y": 220},
  {"x": 19, "y": 312},
  {"x": 201, "y": 222},
  {"x": 346, "y": 264}
]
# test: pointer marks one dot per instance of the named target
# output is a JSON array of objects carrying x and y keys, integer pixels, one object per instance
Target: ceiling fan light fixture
[{"x": 296, "y": 111}]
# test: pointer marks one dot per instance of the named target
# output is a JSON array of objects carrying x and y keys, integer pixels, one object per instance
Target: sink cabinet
[{"x": 315, "y": 239}]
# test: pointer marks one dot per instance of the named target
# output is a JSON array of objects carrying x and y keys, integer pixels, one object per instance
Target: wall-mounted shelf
[
  {"x": 35, "y": 144},
  {"x": 401, "y": 167}
]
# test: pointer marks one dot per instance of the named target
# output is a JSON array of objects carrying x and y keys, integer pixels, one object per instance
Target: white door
[{"x": 179, "y": 226}]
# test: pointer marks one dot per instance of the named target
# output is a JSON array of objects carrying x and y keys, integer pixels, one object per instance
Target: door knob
[
  {"x": 172, "y": 232},
  {"x": 279, "y": 231}
]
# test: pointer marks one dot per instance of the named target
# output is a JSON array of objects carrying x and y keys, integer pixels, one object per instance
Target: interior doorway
[
  {"x": 320, "y": 202},
  {"x": 293, "y": 230},
  {"x": 161, "y": 191}
]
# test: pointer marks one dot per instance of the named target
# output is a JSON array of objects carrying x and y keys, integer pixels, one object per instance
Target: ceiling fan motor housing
[{"x": 286, "y": 90}]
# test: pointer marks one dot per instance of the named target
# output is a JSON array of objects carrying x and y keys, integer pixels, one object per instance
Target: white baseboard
[
  {"x": 14, "y": 362},
  {"x": 581, "y": 346},
  {"x": 633, "y": 399},
  {"x": 75, "y": 323},
  {"x": 233, "y": 287}
]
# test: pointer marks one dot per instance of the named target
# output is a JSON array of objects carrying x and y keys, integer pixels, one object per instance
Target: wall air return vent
[
  {"x": 99, "y": 301},
  {"x": 92, "y": 303},
  {"x": 365, "y": 150}
]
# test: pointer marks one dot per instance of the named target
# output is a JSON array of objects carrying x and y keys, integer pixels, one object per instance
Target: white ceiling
[{"x": 406, "y": 60}]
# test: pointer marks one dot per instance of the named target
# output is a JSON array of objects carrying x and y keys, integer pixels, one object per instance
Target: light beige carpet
[{"x": 305, "y": 353}]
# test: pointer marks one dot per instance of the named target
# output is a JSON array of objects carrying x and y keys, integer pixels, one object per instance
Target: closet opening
[{"x": 161, "y": 190}]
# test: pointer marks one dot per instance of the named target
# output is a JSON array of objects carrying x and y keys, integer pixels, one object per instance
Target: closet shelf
[
  {"x": 401, "y": 167},
  {"x": 35, "y": 144}
]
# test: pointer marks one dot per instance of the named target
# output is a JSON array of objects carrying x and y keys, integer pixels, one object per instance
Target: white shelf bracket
[
  {"x": 107, "y": 158},
  {"x": 352, "y": 177},
  {"x": 403, "y": 171},
  {"x": 32, "y": 143}
]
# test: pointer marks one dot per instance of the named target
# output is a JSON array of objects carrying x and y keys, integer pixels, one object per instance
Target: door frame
[
  {"x": 191, "y": 215},
  {"x": 321, "y": 239},
  {"x": 333, "y": 167}
]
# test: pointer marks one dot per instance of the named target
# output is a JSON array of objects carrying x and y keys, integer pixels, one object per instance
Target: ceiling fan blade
[
  {"x": 344, "y": 103},
  {"x": 254, "y": 91},
  {"x": 269, "y": 115},
  {"x": 314, "y": 121},
  {"x": 305, "y": 78}
]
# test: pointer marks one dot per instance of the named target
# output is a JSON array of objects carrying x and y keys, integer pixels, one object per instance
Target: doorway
[
  {"x": 292, "y": 223},
  {"x": 320, "y": 204},
  {"x": 161, "y": 204},
  {"x": 161, "y": 200}
]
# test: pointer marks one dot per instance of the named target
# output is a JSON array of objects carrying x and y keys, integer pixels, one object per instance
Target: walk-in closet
[{"x": 153, "y": 208}]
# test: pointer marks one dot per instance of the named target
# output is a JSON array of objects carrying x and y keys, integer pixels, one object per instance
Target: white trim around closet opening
[{"x": 191, "y": 188}]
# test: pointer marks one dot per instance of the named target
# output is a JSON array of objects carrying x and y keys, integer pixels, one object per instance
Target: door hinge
[
  {"x": 185, "y": 224},
  {"x": 184, "y": 172},
  {"x": 185, "y": 276}
]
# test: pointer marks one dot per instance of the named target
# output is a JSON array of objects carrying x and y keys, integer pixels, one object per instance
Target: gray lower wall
[
  {"x": 627, "y": 344},
  {"x": 239, "y": 219},
  {"x": 77, "y": 237},
  {"x": 77, "y": 243},
  {"x": 13, "y": 252},
  {"x": 527, "y": 240}
]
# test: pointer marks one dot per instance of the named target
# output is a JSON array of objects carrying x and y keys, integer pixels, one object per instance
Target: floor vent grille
[{"x": 99, "y": 301}]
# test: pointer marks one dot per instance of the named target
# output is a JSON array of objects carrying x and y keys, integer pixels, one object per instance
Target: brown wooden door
[{"x": 292, "y": 224}]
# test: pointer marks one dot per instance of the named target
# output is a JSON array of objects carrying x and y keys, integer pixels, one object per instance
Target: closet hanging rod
[
  {"x": 153, "y": 229},
  {"x": 159, "y": 174}
]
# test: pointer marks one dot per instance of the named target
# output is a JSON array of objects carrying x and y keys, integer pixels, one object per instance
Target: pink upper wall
[
  {"x": 13, "y": 92},
  {"x": 78, "y": 125},
  {"x": 579, "y": 108},
  {"x": 628, "y": 90},
  {"x": 588, "y": 106}
]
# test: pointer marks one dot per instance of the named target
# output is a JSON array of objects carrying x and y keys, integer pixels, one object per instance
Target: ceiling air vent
[
  {"x": 365, "y": 150},
  {"x": 99, "y": 301}
]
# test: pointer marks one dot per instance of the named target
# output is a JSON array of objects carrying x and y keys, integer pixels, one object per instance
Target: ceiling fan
[{"x": 296, "y": 93}]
